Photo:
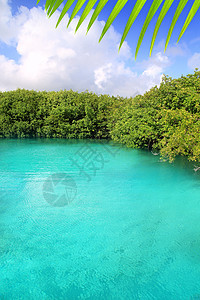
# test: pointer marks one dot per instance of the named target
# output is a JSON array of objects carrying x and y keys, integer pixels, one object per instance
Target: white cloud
[
  {"x": 5, "y": 18},
  {"x": 102, "y": 75},
  {"x": 177, "y": 50},
  {"x": 153, "y": 69},
  {"x": 173, "y": 50},
  {"x": 194, "y": 61},
  {"x": 54, "y": 59},
  {"x": 10, "y": 25}
]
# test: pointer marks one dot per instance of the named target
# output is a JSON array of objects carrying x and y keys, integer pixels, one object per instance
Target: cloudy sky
[{"x": 35, "y": 55}]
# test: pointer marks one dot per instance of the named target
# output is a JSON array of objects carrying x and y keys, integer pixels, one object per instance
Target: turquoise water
[{"x": 120, "y": 225}]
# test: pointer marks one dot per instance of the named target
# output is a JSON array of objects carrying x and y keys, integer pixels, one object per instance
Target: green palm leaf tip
[
  {"x": 85, "y": 13},
  {"x": 53, "y": 9},
  {"x": 64, "y": 11},
  {"x": 118, "y": 7},
  {"x": 78, "y": 6},
  {"x": 154, "y": 7},
  {"x": 163, "y": 13},
  {"x": 49, "y": 4},
  {"x": 179, "y": 10},
  {"x": 135, "y": 12},
  {"x": 97, "y": 11},
  {"x": 191, "y": 15}
]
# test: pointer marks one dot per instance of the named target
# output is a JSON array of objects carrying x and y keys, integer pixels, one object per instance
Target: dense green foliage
[
  {"x": 165, "y": 119},
  {"x": 64, "y": 114}
]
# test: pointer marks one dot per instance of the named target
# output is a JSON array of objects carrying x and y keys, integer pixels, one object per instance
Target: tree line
[{"x": 164, "y": 119}]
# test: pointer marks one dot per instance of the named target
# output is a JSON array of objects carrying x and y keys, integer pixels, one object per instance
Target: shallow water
[{"x": 92, "y": 220}]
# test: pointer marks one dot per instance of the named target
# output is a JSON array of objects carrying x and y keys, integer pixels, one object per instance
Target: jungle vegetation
[{"x": 164, "y": 119}]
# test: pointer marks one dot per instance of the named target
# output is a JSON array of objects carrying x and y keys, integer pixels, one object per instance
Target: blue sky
[{"x": 35, "y": 55}]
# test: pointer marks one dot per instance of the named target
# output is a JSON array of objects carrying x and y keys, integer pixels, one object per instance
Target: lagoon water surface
[{"x": 92, "y": 220}]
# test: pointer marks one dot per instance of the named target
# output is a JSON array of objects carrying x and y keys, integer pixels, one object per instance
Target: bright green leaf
[
  {"x": 78, "y": 6},
  {"x": 64, "y": 11},
  {"x": 56, "y": 5},
  {"x": 118, "y": 7},
  {"x": 49, "y": 4},
  {"x": 179, "y": 10},
  {"x": 191, "y": 15},
  {"x": 163, "y": 13},
  {"x": 85, "y": 13},
  {"x": 97, "y": 11},
  {"x": 135, "y": 12},
  {"x": 154, "y": 7},
  {"x": 52, "y": 5}
]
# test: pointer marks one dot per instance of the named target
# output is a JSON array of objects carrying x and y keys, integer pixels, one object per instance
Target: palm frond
[
  {"x": 52, "y": 5},
  {"x": 178, "y": 11},
  {"x": 118, "y": 7},
  {"x": 163, "y": 13},
  {"x": 85, "y": 13},
  {"x": 154, "y": 7},
  {"x": 135, "y": 12},
  {"x": 190, "y": 16},
  {"x": 78, "y": 6},
  {"x": 97, "y": 11}
]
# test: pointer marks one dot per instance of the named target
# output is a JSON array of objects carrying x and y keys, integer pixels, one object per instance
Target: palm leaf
[
  {"x": 190, "y": 16},
  {"x": 179, "y": 10},
  {"x": 154, "y": 7},
  {"x": 65, "y": 10},
  {"x": 118, "y": 7},
  {"x": 163, "y": 13},
  {"x": 78, "y": 6},
  {"x": 85, "y": 13},
  {"x": 52, "y": 5},
  {"x": 135, "y": 12},
  {"x": 49, "y": 4},
  {"x": 97, "y": 11}
]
